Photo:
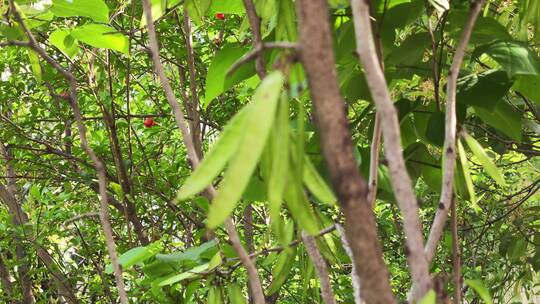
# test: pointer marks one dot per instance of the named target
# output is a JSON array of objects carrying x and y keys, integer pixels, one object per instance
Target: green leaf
[
  {"x": 157, "y": 269},
  {"x": 191, "y": 254},
  {"x": 281, "y": 271},
  {"x": 409, "y": 52},
  {"x": 94, "y": 9},
  {"x": 62, "y": 39},
  {"x": 197, "y": 9},
  {"x": 157, "y": 9},
  {"x": 504, "y": 118},
  {"x": 286, "y": 24},
  {"x": 136, "y": 255},
  {"x": 218, "y": 156},
  {"x": 514, "y": 57},
  {"x": 528, "y": 86},
  {"x": 214, "y": 295},
  {"x": 483, "y": 90},
  {"x": 484, "y": 159},
  {"x": 217, "y": 80},
  {"x": 482, "y": 291},
  {"x": 466, "y": 171},
  {"x": 228, "y": 7},
  {"x": 429, "y": 298},
  {"x": 486, "y": 29},
  {"x": 34, "y": 63},
  {"x": 235, "y": 294},
  {"x": 316, "y": 184},
  {"x": 101, "y": 36},
  {"x": 300, "y": 208},
  {"x": 279, "y": 146},
  {"x": 184, "y": 275},
  {"x": 435, "y": 129},
  {"x": 245, "y": 160}
]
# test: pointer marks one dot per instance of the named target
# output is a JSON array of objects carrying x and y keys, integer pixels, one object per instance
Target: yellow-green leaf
[
  {"x": 316, "y": 184},
  {"x": 94, "y": 9},
  {"x": 101, "y": 36},
  {"x": 279, "y": 145},
  {"x": 466, "y": 171},
  {"x": 244, "y": 162},
  {"x": 235, "y": 294},
  {"x": 485, "y": 161},
  {"x": 480, "y": 289},
  {"x": 218, "y": 156}
]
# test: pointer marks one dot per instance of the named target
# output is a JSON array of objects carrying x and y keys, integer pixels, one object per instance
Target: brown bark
[
  {"x": 255, "y": 24},
  {"x": 401, "y": 182},
  {"x": 316, "y": 52}
]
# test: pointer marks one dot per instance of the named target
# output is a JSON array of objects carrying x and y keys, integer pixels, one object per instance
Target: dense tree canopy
[{"x": 269, "y": 151}]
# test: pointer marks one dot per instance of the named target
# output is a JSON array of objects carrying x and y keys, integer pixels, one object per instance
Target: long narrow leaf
[
  {"x": 244, "y": 162},
  {"x": 466, "y": 171},
  {"x": 280, "y": 158},
  {"x": 316, "y": 184},
  {"x": 300, "y": 209},
  {"x": 216, "y": 159},
  {"x": 484, "y": 159}
]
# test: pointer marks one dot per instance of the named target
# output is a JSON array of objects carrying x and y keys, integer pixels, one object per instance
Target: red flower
[
  {"x": 220, "y": 16},
  {"x": 149, "y": 122}
]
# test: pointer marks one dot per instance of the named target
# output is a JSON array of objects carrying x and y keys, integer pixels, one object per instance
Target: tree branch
[
  {"x": 449, "y": 149},
  {"x": 320, "y": 267},
  {"x": 401, "y": 182},
  {"x": 255, "y": 24},
  {"x": 317, "y": 56}
]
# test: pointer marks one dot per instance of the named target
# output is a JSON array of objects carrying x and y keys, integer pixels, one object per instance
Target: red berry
[
  {"x": 220, "y": 16},
  {"x": 149, "y": 122},
  {"x": 64, "y": 95}
]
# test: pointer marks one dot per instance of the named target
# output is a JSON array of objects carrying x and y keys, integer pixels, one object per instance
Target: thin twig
[
  {"x": 260, "y": 49},
  {"x": 317, "y": 57},
  {"x": 255, "y": 24},
  {"x": 354, "y": 272},
  {"x": 449, "y": 148},
  {"x": 320, "y": 268}
]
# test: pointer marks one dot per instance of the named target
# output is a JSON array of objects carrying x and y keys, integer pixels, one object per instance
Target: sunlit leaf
[
  {"x": 94, "y": 9},
  {"x": 478, "y": 286},
  {"x": 101, "y": 36},
  {"x": 64, "y": 42},
  {"x": 484, "y": 159},
  {"x": 235, "y": 294},
  {"x": 136, "y": 255},
  {"x": 184, "y": 275},
  {"x": 218, "y": 156},
  {"x": 279, "y": 145},
  {"x": 466, "y": 171},
  {"x": 245, "y": 160},
  {"x": 197, "y": 9}
]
